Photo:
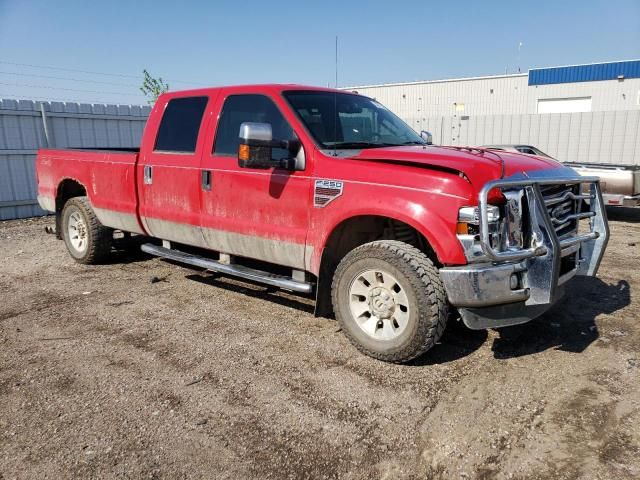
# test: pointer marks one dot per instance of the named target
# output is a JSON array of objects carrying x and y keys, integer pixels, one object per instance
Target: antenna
[
  {"x": 336, "y": 61},
  {"x": 335, "y": 107}
]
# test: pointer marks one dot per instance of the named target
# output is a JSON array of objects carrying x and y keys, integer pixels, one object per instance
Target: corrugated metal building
[
  {"x": 579, "y": 113},
  {"x": 600, "y": 87}
]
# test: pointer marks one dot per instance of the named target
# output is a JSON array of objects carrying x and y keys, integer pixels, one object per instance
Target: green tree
[{"x": 153, "y": 87}]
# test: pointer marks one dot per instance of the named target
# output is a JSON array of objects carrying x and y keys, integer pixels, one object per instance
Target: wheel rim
[
  {"x": 379, "y": 304},
  {"x": 77, "y": 232}
]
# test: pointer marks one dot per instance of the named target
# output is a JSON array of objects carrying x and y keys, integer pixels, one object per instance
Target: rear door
[
  {"x": 255, "y": 213},
  {"x": 168, "y": 172}
]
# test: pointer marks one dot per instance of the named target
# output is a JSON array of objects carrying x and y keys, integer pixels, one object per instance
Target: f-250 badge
[{"x": 326, "y": 191}]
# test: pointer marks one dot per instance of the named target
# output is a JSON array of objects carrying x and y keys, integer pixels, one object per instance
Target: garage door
[{"x": 564, "y": 105}]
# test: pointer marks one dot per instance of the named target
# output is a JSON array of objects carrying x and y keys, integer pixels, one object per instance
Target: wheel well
[
  {"x": 67, "y": 189},
  {"x": 357, "y": 231}
]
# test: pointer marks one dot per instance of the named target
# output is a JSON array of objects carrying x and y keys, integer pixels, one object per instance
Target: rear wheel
[
  {"x": 389, "y": 300},
  {"x": 87, "y": 240}
]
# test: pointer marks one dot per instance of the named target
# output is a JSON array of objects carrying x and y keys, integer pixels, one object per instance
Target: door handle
[
  {"x": 148, "y": 175},
  {"x": 206, "y": 180}
]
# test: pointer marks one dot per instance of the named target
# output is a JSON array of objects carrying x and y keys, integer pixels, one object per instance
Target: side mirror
[
  {"x": 257, "y": 143},
  {"x": 427, "y": 137}
]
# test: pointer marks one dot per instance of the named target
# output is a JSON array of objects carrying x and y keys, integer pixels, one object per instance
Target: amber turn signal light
[
  {"x": 244, "y": 152},
  {"x": 462, "y": 228}
]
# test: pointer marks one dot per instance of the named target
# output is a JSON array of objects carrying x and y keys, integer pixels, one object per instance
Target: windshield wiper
[{"x": 413, "y": 142}]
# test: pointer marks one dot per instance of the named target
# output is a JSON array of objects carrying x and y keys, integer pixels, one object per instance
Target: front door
[
  {"x": 255, "y": 213},
  {"x": 169, "y": 175}
]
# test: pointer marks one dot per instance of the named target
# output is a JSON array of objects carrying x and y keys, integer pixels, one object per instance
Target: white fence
[
  {"x": 24, "y": 128},
  {"x": 595, "y": 137}
]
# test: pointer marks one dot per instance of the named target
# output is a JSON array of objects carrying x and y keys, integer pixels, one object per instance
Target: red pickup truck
[{"x": 324, "y": 191}]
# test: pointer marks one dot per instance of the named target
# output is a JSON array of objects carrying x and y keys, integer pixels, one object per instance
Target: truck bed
[{"x": 109, "y": 177}]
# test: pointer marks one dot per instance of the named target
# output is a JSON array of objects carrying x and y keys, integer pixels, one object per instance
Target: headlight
[
  {"x": 469, "y": 219},
  {"x": 505, "y": 224}
]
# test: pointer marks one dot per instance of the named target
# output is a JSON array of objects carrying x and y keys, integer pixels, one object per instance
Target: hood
[{"x": 479, "y": 166}]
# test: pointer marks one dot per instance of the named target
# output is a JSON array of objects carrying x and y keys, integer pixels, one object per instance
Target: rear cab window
[{"x": 180, "y": 125}]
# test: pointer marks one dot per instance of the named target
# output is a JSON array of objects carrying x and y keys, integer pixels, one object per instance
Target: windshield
[{"x": 344, "y": 120}]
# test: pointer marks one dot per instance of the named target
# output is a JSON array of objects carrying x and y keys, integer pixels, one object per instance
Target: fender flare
[{"x": 423, "y": 221}]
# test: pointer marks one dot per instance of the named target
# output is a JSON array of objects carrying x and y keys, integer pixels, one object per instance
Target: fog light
[{"x": 514, "y": 281}]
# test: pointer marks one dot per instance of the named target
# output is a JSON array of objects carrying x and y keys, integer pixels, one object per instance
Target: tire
[
  {"x": 87, "y": 240},
  {"x": 404, "y": 306}
]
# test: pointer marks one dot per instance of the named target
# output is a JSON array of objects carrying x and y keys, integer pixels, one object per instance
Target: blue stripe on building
[{"x": 585, "y": 73}]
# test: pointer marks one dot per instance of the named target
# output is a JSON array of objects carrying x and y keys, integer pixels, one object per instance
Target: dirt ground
[{"x": 145, "y": 369}]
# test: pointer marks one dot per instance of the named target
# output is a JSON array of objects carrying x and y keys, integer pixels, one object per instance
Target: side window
[
  {"x": 180, "y": 125},
  {"x": 526, "y": 150},
  {"x": 249, "y": 108}
]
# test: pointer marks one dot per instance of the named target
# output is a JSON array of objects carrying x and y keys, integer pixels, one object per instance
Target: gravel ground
[{"x": 144, "y": 369}]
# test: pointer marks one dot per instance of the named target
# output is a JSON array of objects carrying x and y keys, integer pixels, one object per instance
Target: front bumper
[
  {"x": 491, "y": 296},
  {"x": 515, "y": 286}
]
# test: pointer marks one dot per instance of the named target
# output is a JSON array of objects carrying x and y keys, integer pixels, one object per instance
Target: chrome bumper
[{"x": 516, "y": 286}]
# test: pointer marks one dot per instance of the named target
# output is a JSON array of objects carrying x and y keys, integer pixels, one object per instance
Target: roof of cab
[{"x": 271, "y": 87}]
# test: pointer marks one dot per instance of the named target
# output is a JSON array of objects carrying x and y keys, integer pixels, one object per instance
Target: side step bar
[{"x": 279, "y": 281}]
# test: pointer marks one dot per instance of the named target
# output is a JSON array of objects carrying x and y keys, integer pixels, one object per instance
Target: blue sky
[{"x": 226, "y": 42}]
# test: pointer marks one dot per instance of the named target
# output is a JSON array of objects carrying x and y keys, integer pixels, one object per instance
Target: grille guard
[
  {"x": 547, "y": 245},
  {"x": 485, "y": 294}
]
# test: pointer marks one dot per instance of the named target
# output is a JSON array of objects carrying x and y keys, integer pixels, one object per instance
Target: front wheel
[
  {"x": 87, "y": 240},
  {"x": 389, "y": 300}
]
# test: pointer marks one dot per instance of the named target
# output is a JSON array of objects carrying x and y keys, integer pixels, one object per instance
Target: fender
[
  {"x": 105, "y": 211},
  {"x": 415, "y": 214}
]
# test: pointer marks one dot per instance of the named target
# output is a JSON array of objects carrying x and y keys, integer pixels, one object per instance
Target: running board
[{"x": 247, "y": 273}]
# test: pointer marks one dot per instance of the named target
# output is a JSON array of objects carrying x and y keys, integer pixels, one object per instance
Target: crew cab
[{"x": 326, "y": 192}]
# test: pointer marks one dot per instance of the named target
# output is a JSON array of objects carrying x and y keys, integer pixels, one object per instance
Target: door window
[
  {"x": 250, "y": 108},
  {"x": 180, "y": 125},
  {"x": 526, "y": 150}
]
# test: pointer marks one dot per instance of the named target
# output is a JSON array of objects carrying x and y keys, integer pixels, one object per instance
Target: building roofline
[
  {"x": 586, "y": 64},
  {"x": 422, "y": 82},
  {"x": 485, "y": 77}
]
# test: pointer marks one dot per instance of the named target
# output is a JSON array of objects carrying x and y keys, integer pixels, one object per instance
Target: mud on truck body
[{"x": 329, "y": 193}]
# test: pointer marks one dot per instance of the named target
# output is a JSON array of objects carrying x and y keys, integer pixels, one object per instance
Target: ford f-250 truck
[{"x": 322, "y": 191}]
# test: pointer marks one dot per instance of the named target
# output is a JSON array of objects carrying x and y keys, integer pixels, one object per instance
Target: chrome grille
[
  {"x": 566, "y": 205},
  {"x": 562, "y": 207}
]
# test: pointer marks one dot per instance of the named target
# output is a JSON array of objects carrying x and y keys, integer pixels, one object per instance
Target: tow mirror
[
  {"x": 257, "y": 144},
  {"x": 427, "y": 137}
]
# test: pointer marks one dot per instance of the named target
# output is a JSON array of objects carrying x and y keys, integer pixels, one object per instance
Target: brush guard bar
[
  {"x": 544, "y": 235},
  {"x": 516, "y": 285}
]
